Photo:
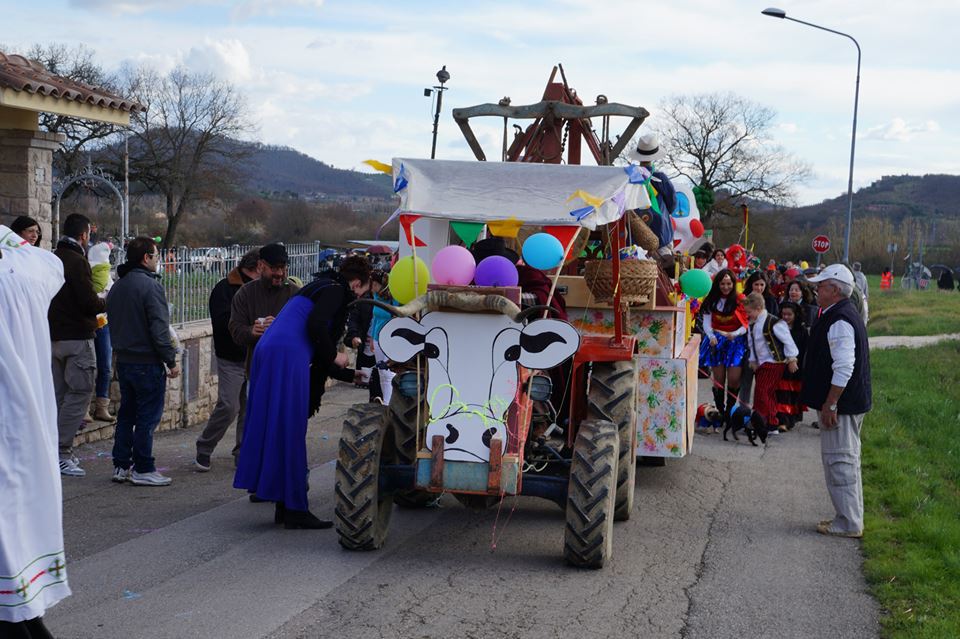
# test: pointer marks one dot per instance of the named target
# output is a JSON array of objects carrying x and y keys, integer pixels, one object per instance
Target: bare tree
[
  {"x": 75, "y": 63},
  {"x": 723, "y": 143},
  {"x": 185, "y": 145}
]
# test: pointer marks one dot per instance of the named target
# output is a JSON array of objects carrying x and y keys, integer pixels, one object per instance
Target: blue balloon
[{"x": 542, "y": 251}]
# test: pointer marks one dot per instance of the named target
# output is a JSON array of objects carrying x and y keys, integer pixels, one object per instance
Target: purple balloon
[
  {"x": 453, "y": 265},
  {"x": 496, "y": 271}
]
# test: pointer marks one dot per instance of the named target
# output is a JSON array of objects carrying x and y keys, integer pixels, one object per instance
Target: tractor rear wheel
[
  {"x": 588, "y": 537},
  {"x": 362, "y": 512},
  {"x": 402, "y": 423},
  {"x": 613, "y": 397}
]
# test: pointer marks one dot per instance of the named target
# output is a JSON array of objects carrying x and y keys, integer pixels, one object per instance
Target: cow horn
[{"x": 530, "y": 311}]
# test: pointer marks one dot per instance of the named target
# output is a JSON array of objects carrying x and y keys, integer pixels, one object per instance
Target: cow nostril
[
  {"x": 488, "y": 435},
  {"x": 454, "y": 434}
]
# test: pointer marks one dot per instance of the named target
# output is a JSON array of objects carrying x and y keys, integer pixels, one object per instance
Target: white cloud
[
  {"x": 227, "y": 59},
  {"x": 899, "y": 130}
]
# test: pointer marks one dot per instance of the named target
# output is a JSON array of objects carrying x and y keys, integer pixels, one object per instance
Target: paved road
[{"x": 721, "y": 545}]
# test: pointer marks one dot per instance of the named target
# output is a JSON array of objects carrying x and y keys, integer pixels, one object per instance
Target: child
[
  {"x": 789, "y": 406},
  {"x": 771, "y": 346},
  {"x": 725, "y": 345}
]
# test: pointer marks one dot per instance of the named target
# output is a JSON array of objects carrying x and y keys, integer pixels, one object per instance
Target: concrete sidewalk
[{"x": 721, "y": 544}]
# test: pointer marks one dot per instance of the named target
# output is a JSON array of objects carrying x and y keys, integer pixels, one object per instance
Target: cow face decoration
[{"x": 473, "y": 374}]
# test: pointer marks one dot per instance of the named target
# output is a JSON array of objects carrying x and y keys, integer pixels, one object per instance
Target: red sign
[{"x": 821, "y": 244}]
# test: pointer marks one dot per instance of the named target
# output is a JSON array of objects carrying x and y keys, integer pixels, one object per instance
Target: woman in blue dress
[
  {"x": 290, "y": 367},
  {"x": 724, "y": 347}
]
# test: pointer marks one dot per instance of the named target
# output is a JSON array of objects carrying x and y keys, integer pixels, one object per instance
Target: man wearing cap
[
  {"x": 231, "y": 378},
  {"x": 648, "y": 151},
  {"x": 257, "y": 303},
  {"x": 836, "y": 382}
]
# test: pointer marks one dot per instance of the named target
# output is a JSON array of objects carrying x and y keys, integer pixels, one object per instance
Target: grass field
[
  {"x": 911, "y": 478},
  {"x": 899, "y": 312}
]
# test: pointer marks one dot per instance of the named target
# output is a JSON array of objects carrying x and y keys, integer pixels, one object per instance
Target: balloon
[
  {"x": 496, "y": 271},
  {"x": 688, "y": 229},
  {"x": 453, "y": 265},
  {"x": 542, "y": 251},
  {"x": 401, "y": 279},
  {"x": 695, "y": 283}
]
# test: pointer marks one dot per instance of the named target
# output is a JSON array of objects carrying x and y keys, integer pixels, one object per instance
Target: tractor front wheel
[
  {"x": 588, "y": 537},
  {"x": 362, "y": 512},
  {"x": 613, "y": 397}
]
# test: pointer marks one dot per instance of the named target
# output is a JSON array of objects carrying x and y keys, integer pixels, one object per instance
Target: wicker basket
[{"x": 638, "y": 280}]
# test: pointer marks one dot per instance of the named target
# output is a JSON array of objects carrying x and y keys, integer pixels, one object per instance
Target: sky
[{"x": 343, "y": 80}]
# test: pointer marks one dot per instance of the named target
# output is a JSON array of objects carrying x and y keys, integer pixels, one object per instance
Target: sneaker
[
  {"x": 149, "y": 479},
  {"x": 202, "y": 463},
  {"x": 121, "y": 475},
  {"x": 825, "y": 529},
  {"x": 71, "y": 468}
]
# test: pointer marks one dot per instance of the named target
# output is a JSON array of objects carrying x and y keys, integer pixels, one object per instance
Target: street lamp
[
  {"x": 442, "y": 76},
  {"x": 780, "y": 13}
]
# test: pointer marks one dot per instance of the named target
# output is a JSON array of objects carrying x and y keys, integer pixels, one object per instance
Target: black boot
[
  {"x": 718, "y": 397},
  {"x": 279, "y": 513},
  {"x": 304, "y": 519}
]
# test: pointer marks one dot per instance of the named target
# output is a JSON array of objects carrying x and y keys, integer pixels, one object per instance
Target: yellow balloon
[
  {"x": 402, "y": 282},
  {"x": 804, "y": 265}
]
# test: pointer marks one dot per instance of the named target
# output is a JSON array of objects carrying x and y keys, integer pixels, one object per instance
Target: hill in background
[{"x": 277, "y": 171}]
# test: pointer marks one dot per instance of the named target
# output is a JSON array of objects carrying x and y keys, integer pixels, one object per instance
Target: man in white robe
[{"x": 33, "y": 574}]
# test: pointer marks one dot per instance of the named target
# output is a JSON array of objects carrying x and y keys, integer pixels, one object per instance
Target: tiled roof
[{"x": 21, "y": 74}]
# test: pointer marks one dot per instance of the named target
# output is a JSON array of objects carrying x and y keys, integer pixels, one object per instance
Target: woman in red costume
[{"x": 724, "y": 348}]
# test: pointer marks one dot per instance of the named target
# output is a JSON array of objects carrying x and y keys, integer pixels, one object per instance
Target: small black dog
[{"x": 750, "y": 421}]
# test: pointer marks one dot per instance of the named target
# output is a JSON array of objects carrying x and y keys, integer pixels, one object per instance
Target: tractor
[{"x": 474, "y": 410}]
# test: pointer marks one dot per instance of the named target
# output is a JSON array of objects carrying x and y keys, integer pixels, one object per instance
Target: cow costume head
[{"x": 472, "y": 362}]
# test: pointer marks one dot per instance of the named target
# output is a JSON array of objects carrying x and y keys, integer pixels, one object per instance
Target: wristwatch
[{"x": 833, "y": 407}]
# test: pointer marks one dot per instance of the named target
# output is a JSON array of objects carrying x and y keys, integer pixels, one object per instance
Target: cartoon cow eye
[
  {"x": 488, "y": 436},
  {"x": 513, "y": 353},
  {"x": 432, "y": 351}
]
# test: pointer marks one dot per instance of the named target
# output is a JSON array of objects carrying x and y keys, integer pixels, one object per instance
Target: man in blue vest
[{"x": 836, "y": 382}]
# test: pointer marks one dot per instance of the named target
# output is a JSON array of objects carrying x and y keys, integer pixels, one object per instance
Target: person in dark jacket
[
  {"x": 359, "y": 318},
  {"x": 140, "y": 330},
  {"x": 290, "y": 367},
  {"x": 231, "y": 374},
  {"x": 73, "y": 323},
  {"x": 836, "y": 382}
]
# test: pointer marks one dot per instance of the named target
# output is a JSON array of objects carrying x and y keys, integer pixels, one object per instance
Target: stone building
[{"x": 26, "y": 152}]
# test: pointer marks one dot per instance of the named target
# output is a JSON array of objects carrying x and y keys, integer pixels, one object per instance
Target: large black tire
[
  {"x": 588, "y": 537},
  {"x": 362, "y": 513},
  {"x": 402, "y": 421},
  {"x": 613, "y": 397}
]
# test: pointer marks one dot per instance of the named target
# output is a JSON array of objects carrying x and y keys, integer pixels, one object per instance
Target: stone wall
[
  {"x": 190, "y": 398},
  {"x": 26, "y": 176}
]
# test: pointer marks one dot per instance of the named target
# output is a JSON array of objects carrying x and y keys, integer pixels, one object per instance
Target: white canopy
[{"x": 532, "y": 193}]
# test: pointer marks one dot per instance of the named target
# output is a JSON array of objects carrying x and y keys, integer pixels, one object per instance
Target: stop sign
[{"x": 821, "y": 244}]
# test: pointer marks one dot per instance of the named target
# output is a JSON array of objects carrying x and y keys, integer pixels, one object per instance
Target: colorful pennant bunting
[
  {"x": 406, "y": 221},
  {"x": 505, "y": 228},
  {"x": 467, "y": 231},
  {"x": 565, "y": 234}
]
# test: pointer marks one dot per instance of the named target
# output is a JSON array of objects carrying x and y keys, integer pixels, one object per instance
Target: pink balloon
[
  {"x": 496, "y": 271},
  {"x": 453, "y": 265}
]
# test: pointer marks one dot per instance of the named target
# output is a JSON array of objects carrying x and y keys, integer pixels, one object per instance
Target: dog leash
[{"x": 723, "y": 388}]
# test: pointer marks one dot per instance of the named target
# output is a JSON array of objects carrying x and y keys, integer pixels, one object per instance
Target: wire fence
[{"x": 188, "y": 275}]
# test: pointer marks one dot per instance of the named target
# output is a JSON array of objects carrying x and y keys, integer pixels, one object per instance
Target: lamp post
[
  {"x": 780, "y": 13},
  {"x": 442, "y": 76}
]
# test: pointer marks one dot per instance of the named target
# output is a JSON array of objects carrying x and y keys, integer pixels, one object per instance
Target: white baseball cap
[{"x": 837, "y": 272}]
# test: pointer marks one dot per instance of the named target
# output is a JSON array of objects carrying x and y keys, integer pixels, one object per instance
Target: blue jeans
[
  {"x": 142, "y": 391},
  {"x": 101, "y": 342}
]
